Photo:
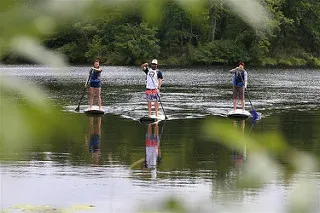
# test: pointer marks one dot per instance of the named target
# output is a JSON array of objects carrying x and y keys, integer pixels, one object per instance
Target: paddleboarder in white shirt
[
  {"x": 239, "y": 85},
  {"x": 153, "y": 85}
]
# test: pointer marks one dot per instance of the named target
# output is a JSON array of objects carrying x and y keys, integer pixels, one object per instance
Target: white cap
[{"x": 154, "y": 61}]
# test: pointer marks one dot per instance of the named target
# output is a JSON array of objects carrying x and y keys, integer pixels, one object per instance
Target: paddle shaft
[
  {"x": 162, "y": 107},
  {"x": 84, "y": 90}
]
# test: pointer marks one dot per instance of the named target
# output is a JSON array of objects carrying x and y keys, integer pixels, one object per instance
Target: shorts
[
  {"x": 152, "y": 95},
  {"x": 96, "y": 84},
  {"x": 238, "y": 92},
  {"x": 94, "y": 145}
]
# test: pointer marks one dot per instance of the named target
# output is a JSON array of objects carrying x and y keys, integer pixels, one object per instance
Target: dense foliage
[{"x": 132, "y": 34}]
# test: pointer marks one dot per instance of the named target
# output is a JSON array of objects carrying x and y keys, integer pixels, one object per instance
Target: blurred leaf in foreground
[{"x": 268, "y": 155}]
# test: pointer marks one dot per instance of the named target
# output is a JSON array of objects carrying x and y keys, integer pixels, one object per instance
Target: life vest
[
  {"x": 95, "y": 75},
  {"x": 238, "y": 78}
]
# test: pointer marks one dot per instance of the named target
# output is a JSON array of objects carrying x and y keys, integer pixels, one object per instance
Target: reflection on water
[
  {"x": 137, "y": 164},
  {"x": 153, "y": 151},
  {"x": 94, "y": 137},
  {"x": 240, "y": 156}
]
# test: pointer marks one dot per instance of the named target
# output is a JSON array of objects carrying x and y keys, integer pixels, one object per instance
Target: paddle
[
  {"x": 165, "y": 116},
  {"x": 84, "y": 89},
  {"x": 255, "y": 115}
]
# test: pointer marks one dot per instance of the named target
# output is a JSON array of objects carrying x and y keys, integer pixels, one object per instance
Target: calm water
[{"x": 129, "y": 172}]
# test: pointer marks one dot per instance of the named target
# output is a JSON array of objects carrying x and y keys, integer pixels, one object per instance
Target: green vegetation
[
  {"x": 177, "y": 32},
  {"x": 281, "y": 32}
]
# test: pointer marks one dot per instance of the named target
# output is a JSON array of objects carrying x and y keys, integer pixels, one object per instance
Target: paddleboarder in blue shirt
[
  {"x": 94, "y": 80},
  {"x": 239, "y": 85},
  {"x": 153, "y": 85}
]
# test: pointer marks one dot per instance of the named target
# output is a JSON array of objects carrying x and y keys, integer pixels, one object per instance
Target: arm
[
  {"x": 234, "y": 70},
  {"x": 160, "y": 83},
  {"x": 245, "y": 79},
  {"x": 144, "y": 66},
  {"x": 160, "y": 78},
  {"x": 87, "y": 80}
]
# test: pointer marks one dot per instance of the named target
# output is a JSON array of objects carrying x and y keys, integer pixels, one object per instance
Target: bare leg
[
  {"x": 91, "y": 91},
  {"x": 234, "y": 104},
  {"x": 99, "y": 97},
  {"x": 156, "y": 107},
  {"x": 242, "y": 98},
  {"x": 149, "y": 108},
  {"x": 243, "y": 104}
]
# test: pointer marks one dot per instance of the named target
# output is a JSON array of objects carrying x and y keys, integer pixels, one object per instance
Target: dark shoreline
[{"x": 179, "y": 66}]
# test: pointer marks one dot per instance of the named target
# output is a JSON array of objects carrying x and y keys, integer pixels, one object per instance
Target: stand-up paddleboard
[
  {"x": 94, "y": 111},
  {"x": 151, "y": 119},
  {"x": 239, "y": 113}
]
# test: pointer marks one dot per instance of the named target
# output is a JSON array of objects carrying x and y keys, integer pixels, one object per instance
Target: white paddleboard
[
  {"x": 152, "y": 118},
  {"x": 94, "y": 110},
  {"x": 239, "y": 113}
]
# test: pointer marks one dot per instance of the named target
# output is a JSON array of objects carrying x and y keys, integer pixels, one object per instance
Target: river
[{"x": 191, "y": 168}]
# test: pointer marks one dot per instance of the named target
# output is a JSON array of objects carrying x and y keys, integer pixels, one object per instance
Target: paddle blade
[
  {"x": 255, "y": 115},
  {"x": 77, "y": 109}
]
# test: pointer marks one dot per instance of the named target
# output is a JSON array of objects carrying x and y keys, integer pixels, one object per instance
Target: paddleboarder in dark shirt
[{"x": 239, "y": 85}]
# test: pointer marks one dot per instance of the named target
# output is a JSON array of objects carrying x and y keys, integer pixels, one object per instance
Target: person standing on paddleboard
[
  {"x": 153, "y": 85},
  {"x": 239, "y": 85},
  {"x": 94, "y": 80}
]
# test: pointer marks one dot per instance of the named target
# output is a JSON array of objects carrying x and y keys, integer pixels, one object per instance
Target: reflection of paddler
[
  {"x": 153, "y": 153},
  {"x": 242, "y": 124},
  {"x": 94, "y": 144},
  {"x": 238, "y": 156}
]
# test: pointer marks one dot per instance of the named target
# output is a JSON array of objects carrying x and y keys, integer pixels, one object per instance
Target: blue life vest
[
  {"x": 94, "y": 75},
  {"x": 238, "y": 79}
]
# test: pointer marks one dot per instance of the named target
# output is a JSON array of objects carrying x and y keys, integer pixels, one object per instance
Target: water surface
[{"x": 123, "y": 175}]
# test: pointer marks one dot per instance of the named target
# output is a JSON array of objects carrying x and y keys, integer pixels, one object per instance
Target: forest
[{"x": 176, "y": 34}]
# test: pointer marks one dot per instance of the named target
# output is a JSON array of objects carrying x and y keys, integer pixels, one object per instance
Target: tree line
[{"x": 214, "y": 36}]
